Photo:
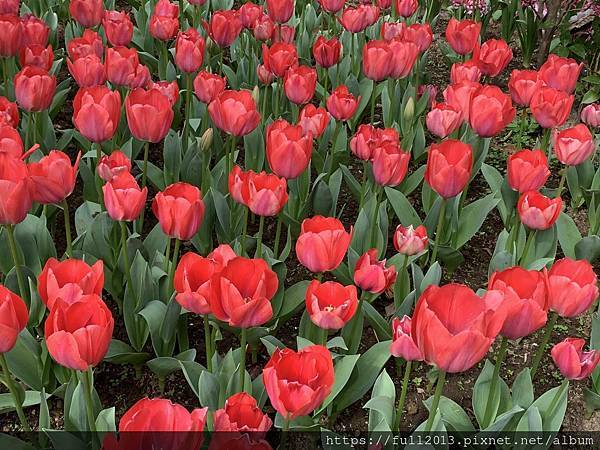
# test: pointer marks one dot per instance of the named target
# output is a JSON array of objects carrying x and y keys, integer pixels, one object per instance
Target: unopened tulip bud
[
  {"x": 256, "y": 94},
  {"x": 206, "y": 140},
  {"x": 409, "y": 110}
]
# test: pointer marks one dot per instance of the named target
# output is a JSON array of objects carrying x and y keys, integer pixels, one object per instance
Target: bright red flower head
[
  {"x": 13, "y": 318},
  {"x": 371, "y": 274},
  {"x": 34, "y": 89},
  {"x": 494, "y": 111},
  {"x": 87, "y": 71},
  {"x": 406, "y": 8},
  {"x": 574, "y": 145},
  {"x": 123, "y": 198},
  {"x": 410, "y": 240},
  {"x": 573, "y": 287},
  {"x": 192, "y": 282},
  {"x": 537, "y": 211},
  {"x": 572, "y": 361},
  {"x": 266, "y": 194},
  {"x": 288, "y": 149},
  {"x": 118, "y": 28},
  {"x": 280, "y": 10},
  {"x": 332, "y": 6},
  {"x": 419, "y": 34},
  {"x": 164, "y": 22},
  {"x": 330, "y": 305},
  {"x": 179, "y": 210},
  {"x": 88, "y": 13},
  {"x": 10, "y": 7},
  {"x": 522, "y": 85},
  {"x": 462, "y": 35},
  {"x": 443, "y": 119},
  {"x": 96, "y": 113},
  {"x": 279, "y": 58},
  {"x": 404, "y": 56},
  {"x": 53, "y": 177},
  {"x": 12, "y": 35},
  {"x": 376, "y": 60},
  {"x": 264, "y": 28},
  {"x": 392, "y": 30},
  {"x": 390, "y": 164},
  {"x": 242, "y": 414},
  {"x": 358, "y": 19},
  {"x": 208, "y": 86},
  {"x": 459, "y": 96},
  {"x": 493, "y": 56},
  {"x": 90, "y": 43},
  {"x": 249, "y": 14},
  {"x": 9, "y": 112},
  {"x": 590, "y": 115},
  {"x": 322, "y": 243},
  {"x": 112, "y": 165},
  {"x": 121, "y": 65},
  {"x": 15, "y": 190},
  {"x": 299, "y": 84},
  {"x": 36, "y": 55},
  {"x": 560, "y": 73},
  {"x": 149, "y": 114},
  {"x": 341, "y": 104},
  {"x": 550, "y": 107},
  {"x": 449, "y": 166},
  {"x": 11, "y": 144},
  {"x": 189, "y": 50},
  {"x": 35, "y": 31},
  {"x": 169, "y": 89},
  {"x": 313, "y": 120},
  {"x": 327, "y": 52},
  {"x": 467, "y": 71},
  {"x": 234, "y": 112},
  {"x": 224, "y": 27},
  {"x": 403, "y": 345},
  {"x": 527, "y": 170}
]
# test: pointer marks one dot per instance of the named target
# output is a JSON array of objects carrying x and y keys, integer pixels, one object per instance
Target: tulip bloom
[
  {"x": 264, "y": 28},
  {"x": 90, "y": 43},
  {"x": 53, "y": 178},
  {"x": 409, "y": 240},
  {"x": 9, "y": 112},
  {"x": 121, "y": 65},
  {"x": 404, "y": 56},
  {"x": 572, "y": 361},
  {"x": 34, "y": 89},
  {"x": 96, "y": 113},
  {"x": 355, "y": 20},
  {"x": 322, "y": 243},
  {"x": 280, "y": 10},
  {"x": 189, "y": 51},
  {"x": 11, "y": 37},
  {"x": 371, "y": 275},
  {"x": 453, "y": 327},
  {"x": 364, "y": 142},
  {"x": 525, "y": 296},
  {"x": 332, "y": 6},
  {"x": 299, "y": 84},
  {"x": 123, "y": 198},
  {"x": 15, "y": 190},
  {"x": 36, "y": 55},
  {"x": 551, "y": 107},
  {"x": 118, "y": 28},
  {"x": 249, "y": 14},
  {"x": 390, "y": 164},
  {"x": 493, "y": 56},
  {"x": 208, "y": 86},
  {"x": 449, "y": 166},
  {"x": 419, "y": 34},
  {"x": 330, "y": 305},
  {"x": 265, "y": 194},
  {"x": 10, "y": 7},
  {"x": 164, "y": 22},
  {"x": 87, "y": 71},
  {"x": 459, "y": 96},
  {"x": 376, "y": 60},
  {"x": 327, "y": 52},
  {"x": 115, "y": 164},
  {"x": 242, "y": 414},
  {"x": 522, "y": 85},
  {"x": 264, "y": 75},
  {"x": 313, "y": 120},
  {"x": 341, "y": 104},
  {"x": 288, "y": 148},
  {"x": 537, "y": 211},
  {"x": 13, "y": 318},
  {"x": 149, "y": 114},
  {"x": 560, "y": 73},
  {"x": 443, "y": 119},
  {"x": 224, "y": 27},
  {"x": 10, "y": 142},
  {"x": 462, "y": 35},
  {"x": 403, "y": 345},
  {"x": 574, "y": 145},
  {"x": 88, "y": 13},
  {"x": 169, "y": 89},
  {"x": 527, "y": 170},
  {"x": 78, "y": 334},
  {"x": 298, "y": 382},
  {"x": 241, "y": 293},
  {"x": 590, "y": 115},
  {"x": 179, "y": 210},
  {"x": 279, "y": 58},
  {"x": 35, "y": 31},
  {"x": 234, "y": 112},
  {"x": 494, "y": 111},
  {"x": 572, "y": 287},
  {"x": 467, "y": 71},
  {"x": 406, "y": 8}
]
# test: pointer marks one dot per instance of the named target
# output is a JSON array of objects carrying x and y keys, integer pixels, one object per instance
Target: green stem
[
  {"x": 98, "y": 148},
  {"x": 243, "y": 341},
  {"x": 551, "y": 409},
  {"x": 208, "y": 343},
  {"x": 140, "y": 222},
  {"x": 284, "y": 434},
  {"x": 546, "y": 143},
  {"x": 244, "y": 232},
  {"x": 402, "y": 399},
  {"x": 335, "y": 136},
  {"x": 188, "y": 111},
  {"x": 545, "y": 338},
  {"x": 487, "y": 417},
  {"x": 324, "y": 336},
  {"x": 439, "y": 387},
  {"x": 373, "y": 236},
  {"x": 363, "y": 185},
  {"x": 373, "y": 107},
  {"x": 398, "y": 301},
  {"x": 67, "y": 228},
  {"x": 167, "y": 256},
  {"x": 530, "y": 239},
  {"x": 89, "y": 403},
  {"x": 174, "y": 264},
  {"x": 123, "y": 226},
  {"x": 261, "y": 226},
  {"x": 438, "y": 231},
  {"x": 355, "y": 342},
  {"x": 277, "y": 236},
  {"x": 561, "y": 184},
  {"x": 12, "y": 243},
  {"x": 277, "y": 98},
  {"x": 10, "y": 384},
  {"x": 5, "y": 76}
]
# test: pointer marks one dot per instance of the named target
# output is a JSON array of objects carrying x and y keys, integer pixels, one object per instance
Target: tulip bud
[
  {"x": 409, "y": 110},
  {"x": 572, "y": 361},
  {"x": 206, "y": 140},
  {"x": 256, "y": 94}
]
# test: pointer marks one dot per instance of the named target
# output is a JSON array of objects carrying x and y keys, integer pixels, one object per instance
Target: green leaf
[
  {"x": 208, "y": 387},
  {"x": 382, "y": 419},
  {"x": 472, "y": 217},
  {"x": 402, "y": 207},
  {"x": 481, "y": 393},
  {"x": 452, "y": 414},
  {"x": 588, "y": 248},
  {"x": 343, "y": 369},
  {"x": 32, "y": 398},
  {"x": 522, "y": 389},
  {"x": 568, "y": 234}
]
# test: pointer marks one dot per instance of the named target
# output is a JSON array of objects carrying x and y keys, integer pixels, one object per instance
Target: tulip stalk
[
  {"x": 438, "y": 231},
  {"x": 98, "y": 179},
  {"x": 336, "y": 132},
  {"x": 89, "y": 405},
  {"x": 188, "y": 111},
  {"x": 5, "y": 76},
  {"x": 545, "y": 144},
  {"x": 261, "y": 226},
  {"x": 439, "y": 387},
  {"x": 487, "y": 417},
  {"x": 167, "y": 256},
  {"x": 174, "y": 264},
  {"x": 551, "y": 409},
  {"x": 398, "y": 301},
  {"x": 277, "y": 236},
  {"x": 373, "y": 236},
  {"x": 402, "y": 400},
  {"x": 243, "y": 342},
  {"x": 65, "y": 205},
  {"x": 244, "y": 232},
  {"x": 561, "y": 184},
  {"x": 10, "y": 384},
  {"x": 530, "y": 239},
  {"x": 12, "y": 243},
  {"x": 126, "y": 255},
  {"x": 354, "y": 337},
  {"x": 140, "y": 223},
  {"x": 545, "y": 339},
  {"x": 208, "y": 345}
]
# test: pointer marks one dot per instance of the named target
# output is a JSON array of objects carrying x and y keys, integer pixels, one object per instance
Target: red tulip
[
  {"x": 123, "y": 198},
  {"x": 78, "y": 334},
  {"x": 298, "y": 382},
  {"x": 537, "y": 211},
  {"x": 376, "y": 60},
  {"x": 149, "y": 114},
  {"x": 280, "y": 10},
  {"x": 406, "y": 8},
  {"x": 10, "y": 7},
  {"x": 560, "y": 73},
  {"x": 322, "y": 243},
  {"x": 332, "y": 6},
  {"x": 288, "y": 149},
  {"x": 11, "y": 144},
  {"x": 590, "y": 115},
  {"x": 572, "y": 361},
  {"x": 330, "y": 305},
  {"x": 189, "y": 50},
  {"x": 222, "y": 255},
  {"x": 522, "y": 85},
  {"x": 249, "y": 14},
  {"x": 279, "y": 58},
  {"x": 238, "y": 184},
  {"x": 264, "y": 75},
  {"x": 403, "y": 345},
  {"x": 9, "y": 112},
  {"x": 13, "y": 318},
  {"x": 404, "y": 56},
  {"x": 459, "y": 95},
  {"x": 371, "y": 275},
  {"x": 449, "y": 166},
  {"x": 234, "y": 112},
  {"x": 141, "y": 78},
  {"x": 179, "y": 210},
  {"x": 299, "y": 84},
  {"x": 494, "y": 111},
  {"x": 11, "y": 37},
  {"x": 35, "y": 31},
  {"x": 550, "y": 107},
  {"x": 169, "y": 89},
  {"x": 524, "y": 298},
  {"x": 53, "y": 178},
  {"x": 467, "y": 71},
  {"x": 527, "y": 170},
  {"x": 572, "y": 287},
  {"x": 241, "y": 293},
  {"x": 36, "y": 55},
  {"x": 241, "y": 413},
  {"x": 192, "y": 282},
  {"x": 115, "y": 164},
  {"x": 327, "y": 52},
  {"x": 96, "y": 112},
  {"x": 266, "y": 194},
  {"x": 409, "y": 240},
  {"x": 89, "y": 43},
  {"x": 443, "y": 120},
  {"x": 121, "y": 65},
  {"x": 313, "y": 120},
  {"x": 164, "y": 22},
  {"x": 224, "y": 27},
  {"x": 453, "y": 327},
  {"x": 34, "y": 89},
  {"x": 15, "y": 190},
  {"x": 208, "y": 86},
  {"x": 368, "y": 138},
  {"x": 462, "y": 35},
  {"x": 118, "y": 28},
  {"x": 358, "y": 19},
  {"x": 392, "y": 30},
  {"x": 341, "y": 104},
  {"x": 263, "y": 28},
  {"x": 87, "y": 71},
  {"x": 493, "y": 56},
  {"x": 574, "y": 145},
  {"x": 419, "y": 34},
  {"x": 390, "y": 164},
  {"x": 88, "y": 13}
]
